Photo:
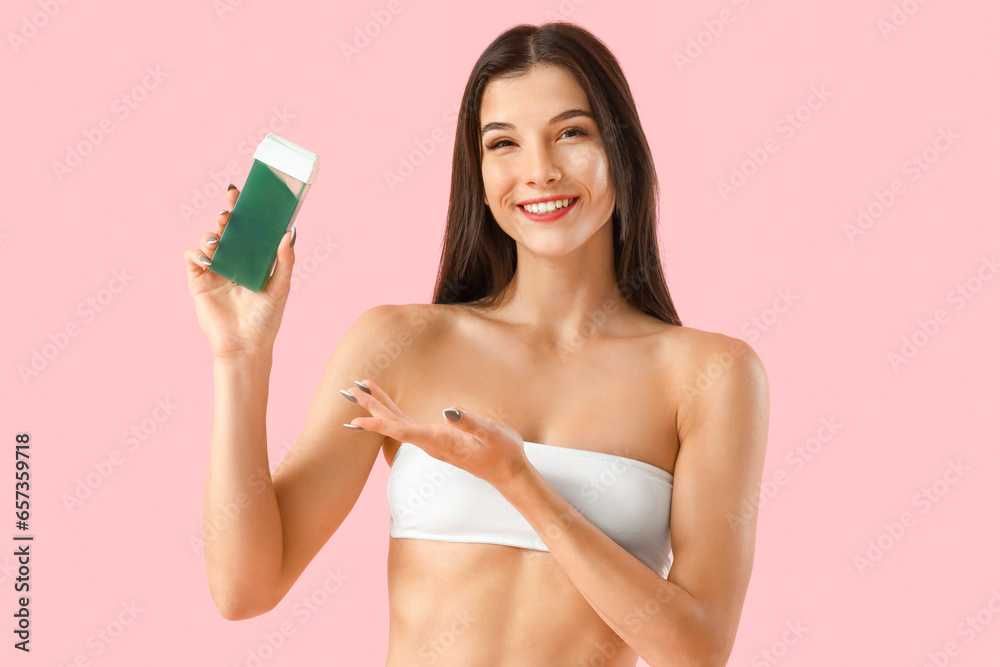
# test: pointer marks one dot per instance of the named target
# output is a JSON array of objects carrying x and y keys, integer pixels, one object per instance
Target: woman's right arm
[
  {"x": 274, "y": 527},
  {"x": 261, "y": 532},
  {"x": 242, "y": 532}
]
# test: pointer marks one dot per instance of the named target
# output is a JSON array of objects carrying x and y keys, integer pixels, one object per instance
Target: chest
[{"x": 604, "y": 396}]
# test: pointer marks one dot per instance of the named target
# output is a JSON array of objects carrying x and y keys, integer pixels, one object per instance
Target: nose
[{"x": 540, "y": 167}]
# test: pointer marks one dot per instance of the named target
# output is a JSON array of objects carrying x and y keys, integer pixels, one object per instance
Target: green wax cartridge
[{"x": 279, "y": 179}]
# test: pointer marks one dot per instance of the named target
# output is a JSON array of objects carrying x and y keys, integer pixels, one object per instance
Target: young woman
[{"x": 574, "y": 474}]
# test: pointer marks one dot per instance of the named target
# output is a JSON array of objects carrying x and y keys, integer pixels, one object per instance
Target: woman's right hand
[{"x": 237, "y": 320}]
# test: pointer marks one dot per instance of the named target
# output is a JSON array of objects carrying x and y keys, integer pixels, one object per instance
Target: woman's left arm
[{"x": 691, "y": 617}]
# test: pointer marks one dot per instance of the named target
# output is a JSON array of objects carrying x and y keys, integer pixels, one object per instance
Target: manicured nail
[
  {"x": 212, "y": 240},
  {"x": 452, "y": 414},
  {"x": 224, "y": 211},
  {"x": 205, "y": 260},
  {"x": 348, "y": 396},
  {"x": 231, "y": 186},
  {"x": 291, "y": 244},
  {"x": 363, "y": 387},
  {"x": 357, "y": 428}
]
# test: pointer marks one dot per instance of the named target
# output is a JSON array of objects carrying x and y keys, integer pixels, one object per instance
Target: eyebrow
[{"x": 565, "y": 115}]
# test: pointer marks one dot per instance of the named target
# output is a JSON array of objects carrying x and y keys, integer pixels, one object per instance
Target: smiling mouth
[{"x": 549, "y": 206}]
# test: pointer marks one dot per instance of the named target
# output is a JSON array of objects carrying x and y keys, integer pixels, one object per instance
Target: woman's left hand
[{"x": 486, "y": 448}]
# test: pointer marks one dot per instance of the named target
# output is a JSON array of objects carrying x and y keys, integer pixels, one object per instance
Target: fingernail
[
  {"x": 348, "y": 396},
  {"x": 224, "y": 211},
  {"x": 358, "y": 428},
  {"x": 363, "y": 387},
  {"x": 451, "y": 414},
  {"x": 291, "y": 244},
  {"x": 231, "y": 186},
  {"x": 212, "y": 240},
  {"x": 205, "y": 260}
]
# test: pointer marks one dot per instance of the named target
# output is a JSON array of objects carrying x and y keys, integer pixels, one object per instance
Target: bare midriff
[{"x": 486, "y": 604}]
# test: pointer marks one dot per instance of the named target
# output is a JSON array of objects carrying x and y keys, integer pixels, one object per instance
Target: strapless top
[{"x": 627, "y": 499}]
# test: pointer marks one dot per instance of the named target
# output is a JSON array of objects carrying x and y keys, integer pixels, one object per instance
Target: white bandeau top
[{"x": 627, "y": 499}]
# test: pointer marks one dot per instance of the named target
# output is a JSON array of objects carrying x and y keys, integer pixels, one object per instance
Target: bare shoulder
[
  {"x": 395, "y": 322},
  {"x": 406, "y": 323},
  {"x": 714, "y": 372},
  {"x": 393, "y": 332},
  {"x": 694, "y": 352}
]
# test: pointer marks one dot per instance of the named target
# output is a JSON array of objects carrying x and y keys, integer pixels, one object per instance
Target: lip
[
  {"x": 551, "y": 215},
  {"x": 542, "y": 199}
]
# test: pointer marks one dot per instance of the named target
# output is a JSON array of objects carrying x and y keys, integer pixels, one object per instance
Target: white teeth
[{"x": 546, "y": 207}]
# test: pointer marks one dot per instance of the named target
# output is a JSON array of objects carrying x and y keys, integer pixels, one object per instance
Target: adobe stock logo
[
  {"x": 969, "y": 628},
  {"x": 31, "y": 25},
  {"x": 122, "y": 107},
  {"x": 105, "y": 467},
  {"x": 926, "y": 329},
  {"x": 899, "y": 17},
  {"x": 381, "y": 19},
  {"x": 107, "y": 635},
  {"x": 903, "y": 523},
  {"x": 425, "y": 148},
  {"x": 565, "y": 9},
  {"x": 915, "y": 166},
  {"x": 712, "y": 30},
  {"x": 88, "y": 310},
  {"x": 779, "y": 648},
  {"x": 271, "y": 643},
  {"x": 786, "y": 126}
]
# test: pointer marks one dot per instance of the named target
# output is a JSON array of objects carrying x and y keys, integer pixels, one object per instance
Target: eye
[
  {"x": 502, "y": 143},
  {"x": 497, "y": 144}
]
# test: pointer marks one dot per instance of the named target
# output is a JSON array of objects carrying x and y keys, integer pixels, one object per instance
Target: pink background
[{"x": 727, "y": 259}]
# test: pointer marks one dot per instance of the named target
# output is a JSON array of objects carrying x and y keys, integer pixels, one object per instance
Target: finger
[
  {"x": 375, "y": 407},
  {"x": 380, "y": 394},
  {"x": 400, "y": 431},
  {"x": 377, "y": 403},
  {"x": 476, "y": 426},
  {"x": 221, "y": 221},
  {"x": 195, "y": 269},
  {"x": 209, "y": 242},
  {"x": 280, "y": 282},
  {"x": 223, "y": 218}
]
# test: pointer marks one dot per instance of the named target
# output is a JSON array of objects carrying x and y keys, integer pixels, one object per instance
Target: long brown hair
[{"x": 478, "y": 258}]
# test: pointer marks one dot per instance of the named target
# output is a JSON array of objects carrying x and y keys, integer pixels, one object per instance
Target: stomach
[{"x": 456, "y": 604}]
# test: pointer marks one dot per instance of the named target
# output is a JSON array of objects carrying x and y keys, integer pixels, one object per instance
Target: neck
[{"x": 559, "y": 300}]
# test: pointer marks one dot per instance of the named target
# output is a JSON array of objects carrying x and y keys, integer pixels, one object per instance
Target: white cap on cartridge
[{"x": 285, "y": 156}]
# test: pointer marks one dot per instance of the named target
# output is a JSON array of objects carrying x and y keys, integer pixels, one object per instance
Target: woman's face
[{"x": 536, "y": 147}]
